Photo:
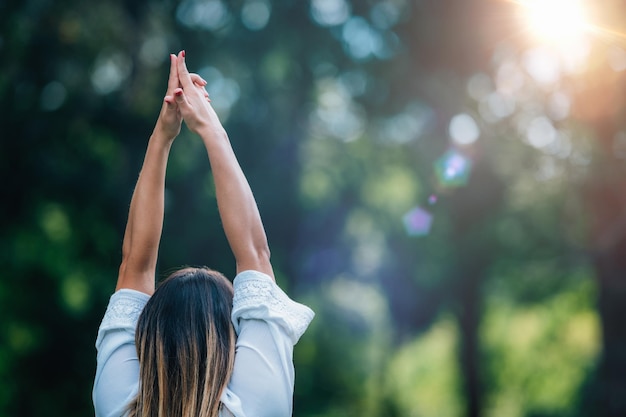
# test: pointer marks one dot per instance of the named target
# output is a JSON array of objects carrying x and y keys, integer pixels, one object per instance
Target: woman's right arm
[
  {"x": 267, "y": 322},
  {"x": 237, "y": 207}
]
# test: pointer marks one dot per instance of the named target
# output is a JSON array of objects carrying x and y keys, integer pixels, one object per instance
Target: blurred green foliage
[{"x": 503, "y": 295}]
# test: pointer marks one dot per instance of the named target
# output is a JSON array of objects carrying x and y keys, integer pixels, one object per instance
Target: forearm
[
  {"x": 145, "y": 220},
  {"x": 237, "y": 207}
]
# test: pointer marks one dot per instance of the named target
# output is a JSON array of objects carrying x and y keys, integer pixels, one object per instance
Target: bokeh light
[
  {"x": 255, "y": 14},
  {"x": 463, "y": 129},
  {"x": 208, "y": 14},
  {"x": 409, "y": 125},
  {"x": 330, "y": 12},
  {"x": 361, "y": 41},
  {"x": 541, "y": 132},
  {"x": 336, "y": 114},
  {"x": 385, "y": 14},
  {"x": 543, "y": 65},
  {"x": 479, "y": 86},
  {"x": 225, "y": 92},
  {"x": 111, "y": 70},
  {"x": 424, "y": 378},
  {"x": 53, "y": 96},
  {"x": 154, "y": 51},
  {"x": 497, "y": 106},
  {"x": 509, "y": 77}
]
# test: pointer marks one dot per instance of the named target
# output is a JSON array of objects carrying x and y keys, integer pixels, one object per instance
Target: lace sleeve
[
  {"x": 123, "y": 311},
  {"x": 258, "y": 297}
]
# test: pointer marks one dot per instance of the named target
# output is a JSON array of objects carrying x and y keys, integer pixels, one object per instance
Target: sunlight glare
[{"x": 556, "y": 20}]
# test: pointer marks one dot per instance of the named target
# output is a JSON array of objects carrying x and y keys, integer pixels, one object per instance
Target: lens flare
[
  {"x": 453, "y": 169},
  {"x": 417, "y": 222}
]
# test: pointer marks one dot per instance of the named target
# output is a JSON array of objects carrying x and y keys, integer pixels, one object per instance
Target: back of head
[{"x": 186, "y": 346}]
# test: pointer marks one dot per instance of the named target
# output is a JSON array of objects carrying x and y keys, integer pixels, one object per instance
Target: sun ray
[{"x": 563, "y": 21}]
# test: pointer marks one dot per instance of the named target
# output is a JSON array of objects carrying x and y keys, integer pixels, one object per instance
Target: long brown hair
[{"x": 186, "y": 346}]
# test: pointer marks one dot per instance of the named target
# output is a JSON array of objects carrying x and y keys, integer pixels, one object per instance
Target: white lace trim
[
  {"x": 123, "y": 310},
  {"x": 258, "y": 297}
]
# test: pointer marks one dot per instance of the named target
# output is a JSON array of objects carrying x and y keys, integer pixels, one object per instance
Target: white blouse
[{"x": 267, "y": 322}]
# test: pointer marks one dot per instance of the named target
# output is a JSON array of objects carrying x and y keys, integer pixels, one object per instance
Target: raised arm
[
  {"x": 237, "y": 207},
  {"x": 145, "y": 217}
]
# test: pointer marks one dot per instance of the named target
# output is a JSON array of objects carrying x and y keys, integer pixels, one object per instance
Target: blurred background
[{"x": 442, "y": 181}]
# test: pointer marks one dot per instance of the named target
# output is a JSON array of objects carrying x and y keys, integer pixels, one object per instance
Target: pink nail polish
[{"x": 183, "y": 53}]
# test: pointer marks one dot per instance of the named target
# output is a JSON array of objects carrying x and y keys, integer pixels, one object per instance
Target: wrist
[
  {"x": 162, "y": 139},
  {"x": 211, "y": 135},
  {"x": 162, "y": 133}
]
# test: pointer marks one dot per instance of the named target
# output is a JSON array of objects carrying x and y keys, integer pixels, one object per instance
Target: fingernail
[
  {"x": 179, "y": 93},
  {"x": 183, "y": 53}
]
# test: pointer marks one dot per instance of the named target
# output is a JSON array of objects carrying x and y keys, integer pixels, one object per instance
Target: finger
[
  {"x": 200, "y": 84},
  {"x": 181, "y": 99},
  {"x": 183, "y": 73},
  {"x": 196, "y": 79},
  {"x": 172, "y": 82},
  {"x": 170, "y": 102}
]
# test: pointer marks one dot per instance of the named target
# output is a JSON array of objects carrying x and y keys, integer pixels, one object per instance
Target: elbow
[
  {"x": 262, "y": 257},
  {"x": 256, "y": 258},
  {"x": 136, "y": 274},
  {"x": 123, "y": 264},
  {"x": 258, "y": 250},
  {"x": 263, "y": 253}
]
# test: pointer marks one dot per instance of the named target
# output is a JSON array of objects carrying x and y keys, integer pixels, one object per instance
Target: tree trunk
[
  {"x": 607, "y": 204},
  {"x": 469, "y": 319},
  {"x": 473, "y": 209}
]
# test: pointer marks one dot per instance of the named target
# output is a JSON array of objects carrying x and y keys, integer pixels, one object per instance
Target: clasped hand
[{"x": 186, "y": 99}]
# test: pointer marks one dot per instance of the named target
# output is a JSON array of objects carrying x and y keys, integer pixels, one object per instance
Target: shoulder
[
  {"x": 257, "y": 296},
  {"x": 123, "y": 311}
]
